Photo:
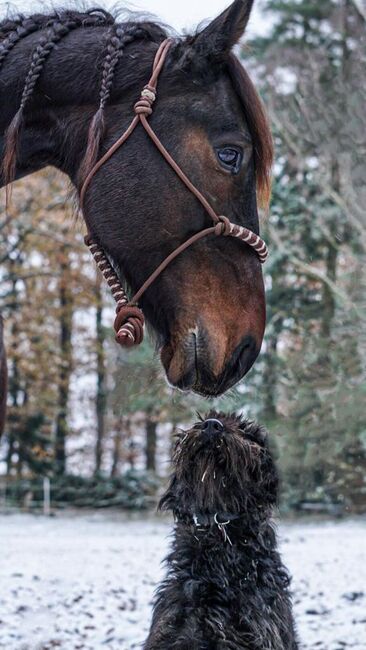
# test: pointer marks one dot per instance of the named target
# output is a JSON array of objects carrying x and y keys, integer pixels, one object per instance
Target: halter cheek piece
[{"x": 129, "y": 322}]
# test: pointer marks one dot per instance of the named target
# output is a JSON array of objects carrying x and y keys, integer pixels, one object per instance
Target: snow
[{"x": 86, "y": 581}]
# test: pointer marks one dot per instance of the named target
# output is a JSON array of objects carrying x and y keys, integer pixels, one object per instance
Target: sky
[{"x": 180, "y": 14}]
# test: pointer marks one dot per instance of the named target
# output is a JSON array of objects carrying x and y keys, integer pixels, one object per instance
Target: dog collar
[
  {"x": 218, "y": 518},
  {"x": 206, "y": 521}
]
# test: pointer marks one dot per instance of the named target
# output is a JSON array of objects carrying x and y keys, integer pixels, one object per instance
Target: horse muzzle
[{"x": 196, "y": 362}]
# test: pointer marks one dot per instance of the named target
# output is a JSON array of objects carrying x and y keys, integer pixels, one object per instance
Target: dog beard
[{"x": 230, "y": 470}]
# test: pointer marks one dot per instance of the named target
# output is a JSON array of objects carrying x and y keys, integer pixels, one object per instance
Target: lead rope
[{"x": 129, "y": 321}]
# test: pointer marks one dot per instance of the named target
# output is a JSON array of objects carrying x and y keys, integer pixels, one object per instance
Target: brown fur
[
  {"x": 78, "y": 98},
  {"x": 258, "y": 126}
]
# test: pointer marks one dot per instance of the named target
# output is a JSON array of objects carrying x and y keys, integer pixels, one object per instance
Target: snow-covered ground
[{"x": 85, "y": 582}]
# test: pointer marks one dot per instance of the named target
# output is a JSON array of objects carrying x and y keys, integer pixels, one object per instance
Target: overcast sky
[{"x": 180, "y": 14}]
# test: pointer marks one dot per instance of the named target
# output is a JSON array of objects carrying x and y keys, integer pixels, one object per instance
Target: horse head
[{"x": 207, "y": 309}]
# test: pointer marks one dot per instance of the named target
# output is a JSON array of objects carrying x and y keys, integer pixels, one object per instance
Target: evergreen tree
[{"x": 313, "y": 368}]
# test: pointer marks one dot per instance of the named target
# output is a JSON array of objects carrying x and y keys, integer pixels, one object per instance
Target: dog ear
[
  {"x": 255, "y": 432},
  {"x": 217, "y": 39}
]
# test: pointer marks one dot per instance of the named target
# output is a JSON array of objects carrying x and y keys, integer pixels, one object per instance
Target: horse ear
[{"x": 222, "y": 33}]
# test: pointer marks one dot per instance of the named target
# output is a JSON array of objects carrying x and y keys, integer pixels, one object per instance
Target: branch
[
  {"x": 337, "y": 198},
  {"x": 360, "y": 9},
  {"x": 309, "y": 270}
]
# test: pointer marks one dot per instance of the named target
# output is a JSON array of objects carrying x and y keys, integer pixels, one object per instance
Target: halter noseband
[{"x": 129, "y": 322}]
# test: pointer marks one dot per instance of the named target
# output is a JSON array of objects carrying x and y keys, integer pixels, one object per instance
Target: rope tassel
[{"x": 129, "y": 326}]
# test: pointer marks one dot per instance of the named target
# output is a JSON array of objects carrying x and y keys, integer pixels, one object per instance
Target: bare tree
[
  {"x": 3, "y": 379},
  {"x": 100, "y": 402}
]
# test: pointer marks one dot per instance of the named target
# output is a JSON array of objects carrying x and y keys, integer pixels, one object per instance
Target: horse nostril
[{"x": 212, "y": 426}]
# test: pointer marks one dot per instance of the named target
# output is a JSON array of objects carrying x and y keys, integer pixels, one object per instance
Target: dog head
[{"x": 222, "y": 465}]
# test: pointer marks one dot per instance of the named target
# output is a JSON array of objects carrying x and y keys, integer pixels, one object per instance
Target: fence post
[
  {"x": 46, "y": 496},
  {"x": 3, "y": 494}
]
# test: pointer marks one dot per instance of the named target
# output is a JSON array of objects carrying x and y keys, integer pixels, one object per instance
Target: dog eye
[{"x": 230, "y": 158}]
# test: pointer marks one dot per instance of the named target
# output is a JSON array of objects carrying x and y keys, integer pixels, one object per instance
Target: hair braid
[
  {"x": 13, "y": 31},
  {"x": 41, "y": 53},
  {"x": 58, "y": 25},
  {"x": 34, "y": 22},
  {"x": 119, "y": 38},
  {"x": 23, "y": 28}
]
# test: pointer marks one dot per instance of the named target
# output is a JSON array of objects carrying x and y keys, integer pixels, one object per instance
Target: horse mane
[
  {"x": 56, "y": 24},
  {"x": 258, "y": 126}
]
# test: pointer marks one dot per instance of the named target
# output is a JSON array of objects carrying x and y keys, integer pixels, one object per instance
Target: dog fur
[{"x": 226, "y": 587}]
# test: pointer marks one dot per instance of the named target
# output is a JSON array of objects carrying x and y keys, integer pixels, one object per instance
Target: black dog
[{"x": 226, "y": 587}]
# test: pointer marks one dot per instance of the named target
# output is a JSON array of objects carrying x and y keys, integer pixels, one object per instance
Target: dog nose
[{"x": 212, "y": 426}]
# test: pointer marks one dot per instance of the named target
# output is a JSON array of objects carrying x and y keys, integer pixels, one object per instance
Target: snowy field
[{"x": 86, "y": 582}]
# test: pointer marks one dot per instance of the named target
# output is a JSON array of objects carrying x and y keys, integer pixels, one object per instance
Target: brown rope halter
[{"x": 129, "y": 322}]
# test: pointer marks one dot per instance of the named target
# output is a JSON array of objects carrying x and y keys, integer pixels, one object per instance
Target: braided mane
[{"x": 55, "y": 26}]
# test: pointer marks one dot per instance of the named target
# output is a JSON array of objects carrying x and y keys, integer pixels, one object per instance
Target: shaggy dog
[{"x": 226, "y": 587}]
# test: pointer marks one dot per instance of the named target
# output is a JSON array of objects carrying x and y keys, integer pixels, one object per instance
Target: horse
[{"x": 68, "y": 84}]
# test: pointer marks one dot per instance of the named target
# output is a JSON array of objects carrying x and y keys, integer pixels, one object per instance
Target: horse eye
[{"x": 230, "y": 158}]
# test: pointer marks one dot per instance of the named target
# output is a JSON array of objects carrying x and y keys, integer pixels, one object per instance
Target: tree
[
  {"x": 313, "y": 368},
  {"x": 3, "y": 379},
  {"x": 101, "y": 396},
  {"x": 42, "y": 287},
  {"x": 65, "y": 363}
]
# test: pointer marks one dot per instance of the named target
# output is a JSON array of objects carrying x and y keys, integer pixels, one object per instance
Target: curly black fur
[{"x": 226, "y": 587}]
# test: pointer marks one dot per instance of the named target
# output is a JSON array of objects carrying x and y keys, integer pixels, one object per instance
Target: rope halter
[{"x": 129, "y": 322}]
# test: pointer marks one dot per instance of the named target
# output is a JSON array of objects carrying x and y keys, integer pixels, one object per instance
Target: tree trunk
[
  {"x": 100, "y": 402},
  {"x": 129, "y": 442},
  {"x": 151, "y": 426},
  {"x": 9, "y": 452},
  {"x": 328, "y": 299},
  {"x": 270, "y": 380},
  {"x": 14, "y": 384},
  {"x": 120, "y": 425},
  {"x": 3, "y": 379},
  {"x": 66, "y": 309}
]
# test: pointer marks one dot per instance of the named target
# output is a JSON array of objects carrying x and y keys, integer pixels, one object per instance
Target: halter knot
[
  {"x": 223, "y": 226},
  {"x": 149, "y": 92},
  {"x": 144, "y": 105},
  {"x": 129, "y": 326}
]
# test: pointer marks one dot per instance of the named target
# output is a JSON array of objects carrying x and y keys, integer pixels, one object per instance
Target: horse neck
[
  {"x": 70, "y": 75},
  {"x": 66, "y": 95}
]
